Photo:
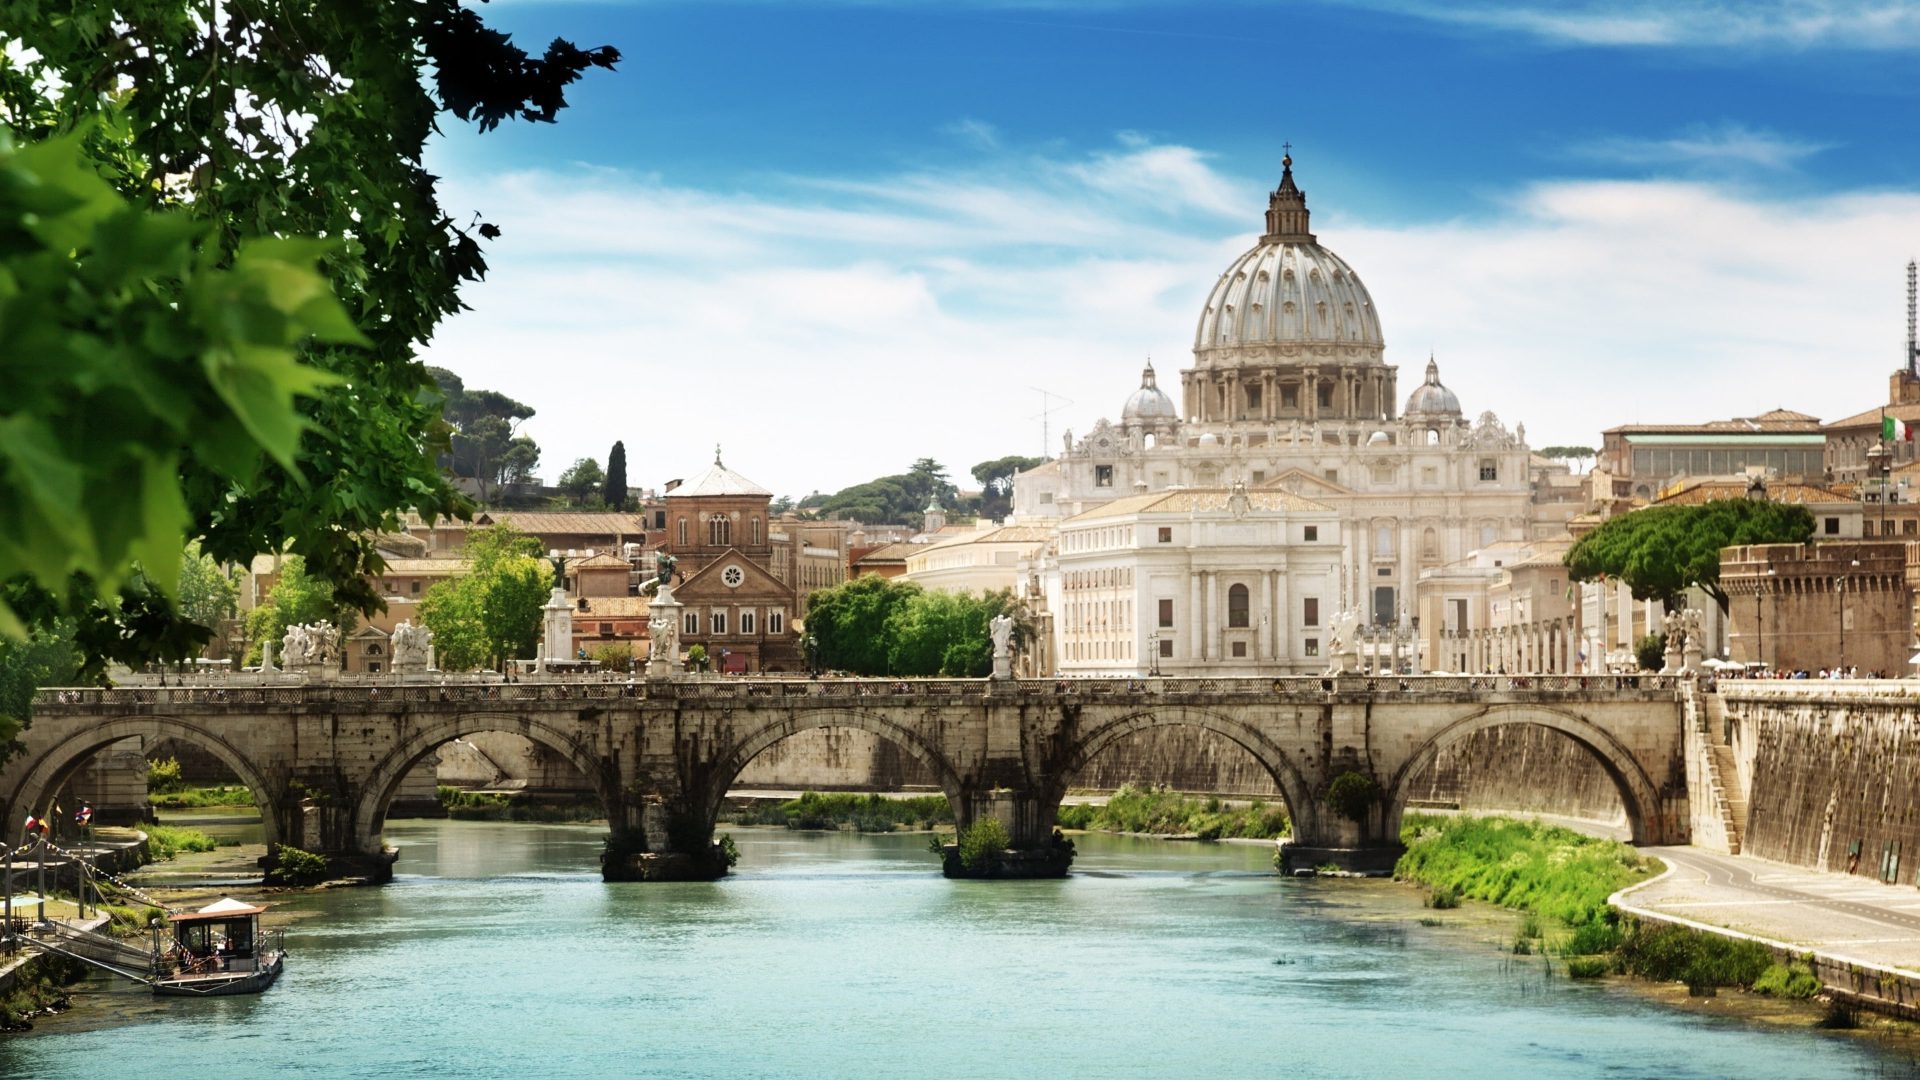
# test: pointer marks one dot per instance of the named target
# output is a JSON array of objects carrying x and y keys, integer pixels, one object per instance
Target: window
[
  {"x": 1907, "y": 527},
  {"x": 1166, "y": 534},
  {"x": 659, "y": 519},
  {"x": 719, "y": 622},
  {"x": 1046, "y": 497},
  {"x": 1289, "y": 397},
  {"x": 1259, "y": 477},
  {"x": 1326, "y": 395},
  {"x": 1166, "y": 646},
  {"x": 683, "y": 532},
  {"x": 1831, "y": 526},
  {"x": 1253, "y": 396},
  {"x": 414, "y": 587},
  {"x": 1166, "y": 613},
  {"x": 746, "y": 622},
  {"x": 1313, "y": 646},
  {"x": 1489, "y": 469},
  {"x": 691, "y": 624},
  {"x": 1310, "y": 611},
  {"x": 1103, "y": 476},
  {"x": 1385, "y": 571},
  {"x": 1239, "y": 650},
  {"x": 756, "y": 530},
  {"x": 373, "y": 667},
  {"x": 1332, "y": 475},
  {"x": 1486, "y": 535},
  {"x": 719, "y": 531},
  {"x": 1311, "y": 533},
  {"x": 1237, "y": 606},
  {"x": 1383, "y": 540},
  {"x": 775, "y": 621},
  {"x": 606, "y": 629}
]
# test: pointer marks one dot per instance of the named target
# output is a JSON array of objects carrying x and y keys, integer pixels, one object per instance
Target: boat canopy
[{"x": 224, "y": 908}]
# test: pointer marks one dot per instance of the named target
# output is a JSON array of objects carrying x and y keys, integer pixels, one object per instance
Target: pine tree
[{"x": 615, "y": 493}]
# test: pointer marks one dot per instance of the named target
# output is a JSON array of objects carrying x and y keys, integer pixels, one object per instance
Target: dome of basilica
[
  {"x": 1287, "y": 290},
  {"x": 1149, "y": 402},
  {"x": 1430, "y": 398}
]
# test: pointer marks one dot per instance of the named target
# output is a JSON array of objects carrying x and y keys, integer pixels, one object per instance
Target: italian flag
[{"x": 1893, "y": 430}]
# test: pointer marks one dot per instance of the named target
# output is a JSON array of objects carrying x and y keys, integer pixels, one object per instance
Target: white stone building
[
  {"x": 1198, "y": 581},
  {"x": 1290, "y": 391}
]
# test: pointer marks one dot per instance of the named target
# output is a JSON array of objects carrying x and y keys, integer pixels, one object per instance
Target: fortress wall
[{"x": 1826, "y": 767}]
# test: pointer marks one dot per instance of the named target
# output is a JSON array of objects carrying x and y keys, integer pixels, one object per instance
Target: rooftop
[{"x": 1198, "y": 501}]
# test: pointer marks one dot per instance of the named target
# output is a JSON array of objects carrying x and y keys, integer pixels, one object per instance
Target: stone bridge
[{"x": 324, "y": 760}]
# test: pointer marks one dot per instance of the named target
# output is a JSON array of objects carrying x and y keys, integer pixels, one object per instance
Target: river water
[{"x": 498, "y": 953}]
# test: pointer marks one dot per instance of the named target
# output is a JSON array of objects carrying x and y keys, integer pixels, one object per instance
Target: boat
[{"x": 216, "y": 951}]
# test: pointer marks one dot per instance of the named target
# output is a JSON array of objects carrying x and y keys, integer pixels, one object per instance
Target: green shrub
[
  {"x": 1443, "y": 897},
  {"x": 292, "y": 866},
  {"x": 1787, "y": 981},
  {"x": 843, "y": 809},
  {"x": 1352, "y": 795},
  {"x": 1592, "y": 939},
  {"x": 1556, "y": 872},
  {"x": 1588, "y": 967},
  {"x": 163, "y": 776},
  {"x": 1164, "y": 813},
  {"x": 166, "y": 841},
  {"x": 729, "y": 851},
  {"x": 983, "y": 842},
  {"x": 1701, "y": 960},
  {"x": 1522, "y": 945},
  {"x": 1651, "y": 652},
  {"x": 187, "y": 798},
  {"x": 1530, "y": 926}
]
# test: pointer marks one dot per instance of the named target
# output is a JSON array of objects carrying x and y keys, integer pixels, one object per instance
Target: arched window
[
  {"x": 1383, "y": 540},
  {"x": 683, "y": 532},
  {"x": 719, "y": 531},
  {"x": 756, "y": 531},
  {"x": 1237, "y": 606}
]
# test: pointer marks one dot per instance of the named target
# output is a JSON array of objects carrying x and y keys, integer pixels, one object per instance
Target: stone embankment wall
[
  {"x": 1519, "y": 769},
  {"x": 1831, "y": 771},
  {"x": 835, "y": 759}
]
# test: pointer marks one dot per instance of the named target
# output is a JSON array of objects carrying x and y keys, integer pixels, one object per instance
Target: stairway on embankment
[{"x": 1707, "y": 713}]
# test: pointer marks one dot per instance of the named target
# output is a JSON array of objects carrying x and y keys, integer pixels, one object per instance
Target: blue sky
[{"x": 869, "y": 229}]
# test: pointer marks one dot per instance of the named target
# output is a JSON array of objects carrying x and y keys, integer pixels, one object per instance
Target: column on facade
[
  {"x": 1363, "y": 569},
  {"x": 1282, "y": 620},
  {"x": 1267, "y": 406},
  {"x": 1310, "y": 392},
  {"x": 1231, "y": 393},
  {"x": 1215, "y": 624},
  {"x": 1187, "y": 409},
  {"x": 1266, "y": 615},
  {"x": 1405, "y": 593},
  {"x": 1623, "y": 608},
  {"x": 1194, "y": 625}
]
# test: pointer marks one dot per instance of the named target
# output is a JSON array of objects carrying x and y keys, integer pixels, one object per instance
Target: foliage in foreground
[
  {"x": 292, "y": 866},
  {"x": 1139, "y": 810},
  {"x": 46, "y": 657},
  {"x": 872, "y": 813},
  {"x": 1546, "y": 869}
]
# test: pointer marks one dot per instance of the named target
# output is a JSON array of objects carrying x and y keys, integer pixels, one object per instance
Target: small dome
[
  {"x": 1149, "y": 402},
  {"x": 1430, "y": 398},
  {"x": 1209, "y": 439},
  {"x": 1378, "y": 438}
]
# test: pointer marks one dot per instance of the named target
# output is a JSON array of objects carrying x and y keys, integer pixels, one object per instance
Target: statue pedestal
[
  {"x": 1003, "y": 667},
  {"x": 556, "y": 641},
  {"x": 663, "y": 627}
]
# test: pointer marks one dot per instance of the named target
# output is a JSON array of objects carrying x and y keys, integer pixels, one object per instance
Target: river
[{"x": 498, "y": 953}]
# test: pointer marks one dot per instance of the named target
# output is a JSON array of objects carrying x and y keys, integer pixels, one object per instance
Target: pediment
[
  {"x": 1304, "y": 484},
  {"x": 709, "y": 585}
]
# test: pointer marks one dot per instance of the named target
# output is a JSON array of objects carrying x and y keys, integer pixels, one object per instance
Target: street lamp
[
  {"x": 1840, "y": 600},
  {"x": 1880, "y": 464}
]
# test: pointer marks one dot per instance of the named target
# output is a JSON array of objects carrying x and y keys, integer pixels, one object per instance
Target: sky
[{"x": 836, "y": 237}]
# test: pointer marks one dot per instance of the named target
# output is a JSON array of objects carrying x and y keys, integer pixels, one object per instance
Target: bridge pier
[{"x": 1036, "y": 850}]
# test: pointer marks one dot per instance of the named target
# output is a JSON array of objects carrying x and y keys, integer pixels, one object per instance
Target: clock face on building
[{"x": 732, "y": 576}]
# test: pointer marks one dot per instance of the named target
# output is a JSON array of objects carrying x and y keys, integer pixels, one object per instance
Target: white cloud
[
  {"x": 1792, "y": 24},
  {"x": 1721, "y": 147},
  {"x": 827, "y": 330}
]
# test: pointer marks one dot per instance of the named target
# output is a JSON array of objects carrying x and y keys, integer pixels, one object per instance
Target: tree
[
  {"x": 614, "y": 491},
  {"x": 582, "y": 481},
  {"x": 900, "y": 497},
  {"x": 47, "y": 656},
  {"x": 1568, "y": 453},
  {"x": 208, "y": 594},
  {"x": 297, "y": 599},
  {"x": 1662, "y": 551},
  {"x": 849, "y": 622},
  {"x": 943, "y": 633},
  {"x": 492, "y": 613},
  {"x": 484, "y": 431},
  {"x": 996, "y": 483},
  {"x": 268, "y": 120}
]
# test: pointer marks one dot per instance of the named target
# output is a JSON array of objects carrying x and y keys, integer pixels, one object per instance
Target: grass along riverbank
[
  {"x": 1164, "y": 813},
  {"x": 1562, "y": 879},
  {"x": 845, "y": 810}
]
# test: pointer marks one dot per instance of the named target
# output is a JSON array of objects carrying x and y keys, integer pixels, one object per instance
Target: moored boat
[{"x": 216, "y": 951}]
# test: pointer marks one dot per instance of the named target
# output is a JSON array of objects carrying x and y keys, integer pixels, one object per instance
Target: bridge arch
[
  {"x": 730, "y": 762},
  {"x": 56, "y": 765},
  {"x": 1302, "y": 809},
  {"x": 1638, "y": 794},
  {"x": 376, "y": 794}
]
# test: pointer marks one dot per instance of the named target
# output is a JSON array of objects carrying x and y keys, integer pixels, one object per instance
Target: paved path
[{"x": 1843, "y": 915}]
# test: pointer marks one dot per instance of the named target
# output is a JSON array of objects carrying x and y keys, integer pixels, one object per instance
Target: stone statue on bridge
[
  {"x": 1001, "y": 630},
  {"x": 325, "y": 649},
  {"x": 411, "y": 644},
  {"x": 1343, "y": 646},
  {"x": 1694, "y": 646},
  {"x": 1675, "y": 628},
  {"x": 295, "y": 647},
  {"x": 663, "y": 637}
]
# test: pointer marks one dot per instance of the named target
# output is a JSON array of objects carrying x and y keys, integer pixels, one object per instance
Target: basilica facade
[{"x": 1289, "y": 395}]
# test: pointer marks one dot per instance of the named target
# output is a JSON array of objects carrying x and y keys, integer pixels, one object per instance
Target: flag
[
  {"x": 1894, "y": 429},
  {"x": 83, "y": 816},
  {"x": 34, "y": 824}
]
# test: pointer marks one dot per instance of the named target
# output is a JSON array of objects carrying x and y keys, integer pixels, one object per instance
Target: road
[{"x": 1841, "y": 914}]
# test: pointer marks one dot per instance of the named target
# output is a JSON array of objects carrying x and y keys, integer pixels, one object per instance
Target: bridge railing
[{"x": 1297, "y": 687}]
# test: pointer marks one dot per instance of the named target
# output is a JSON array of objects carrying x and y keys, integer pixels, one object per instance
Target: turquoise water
[{"x": 500, "y": 954}]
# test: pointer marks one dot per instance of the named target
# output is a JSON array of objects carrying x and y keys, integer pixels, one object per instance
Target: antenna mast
[
  {"x": 1913, "y": 345},
  {"x": 1046, "y": 410}
]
